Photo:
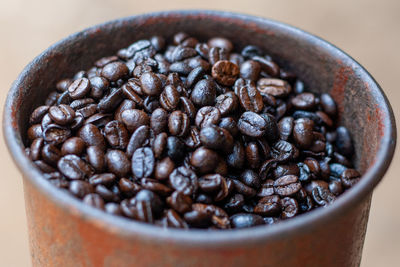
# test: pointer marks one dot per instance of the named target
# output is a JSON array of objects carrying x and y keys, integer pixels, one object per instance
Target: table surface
[{"x": 368, "y": 30}]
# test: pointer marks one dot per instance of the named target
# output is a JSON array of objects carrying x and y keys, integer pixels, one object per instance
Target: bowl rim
[{"x": 128, "y": 228}]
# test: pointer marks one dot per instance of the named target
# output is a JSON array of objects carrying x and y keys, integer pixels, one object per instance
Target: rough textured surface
[{"x": 348, "y": 28}]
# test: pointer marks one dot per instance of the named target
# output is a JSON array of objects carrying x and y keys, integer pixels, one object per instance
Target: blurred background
[{"x": 368, "y": 30}]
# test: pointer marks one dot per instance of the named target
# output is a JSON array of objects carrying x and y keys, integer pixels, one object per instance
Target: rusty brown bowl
[{"x": 65, "y": 232}]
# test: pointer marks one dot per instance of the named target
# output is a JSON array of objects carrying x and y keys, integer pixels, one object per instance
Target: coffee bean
[
  {"x": 304, "y": 101},
  {"x": 79, "y": 88},
  {"x": 203, "y": 93},
  {"x": 336, "y": 187},
  {"x": 116, "y": 134},
  {"x": 220, "y": 42},
  {"x": 106, "y": 179},
  {"x": 250, "y": 98},
  {"x": 134, "y": 118},
  {"x": 322, "y": 196},
  {"x": 53, "y": 134},
  {"x": 283, "y": 151},
  {"x": 328, "y": 105},
  {"x": 91, "y": 135},
  {"x": 159, "y": 120},
  {"x": 117, "y": 162},
  {"x": 51, "y": 154},
  {"x": 164, "y": 168},
  {"x": 36, "y": 149},
  {"x": 229, "y": 124},
  {"x": 94, "y": 200},
  {"x": 252, "y": 124},
  {"x": 74, "y": 167},
  {"x": 184, "y": 180},
  {"x": 285, "y": 127},
  {"x": 286, "y": 169},
  {"x": 175, "y": 148},
  {"x": 192, "y": 140},
  {"x": 111, "y": 101},
  {"x": 80, "y": 188},
  {"x": 216, "y": 138},
  {"x": 250, "y": 70},
  {"x": 267, "y": 189},
  {"x": 138, "y": 139},
  {"x": 207, "y": 116},
  {"x": 227, "y": 103},
  {"x": 152, "y": 198},
  {"x": 37, "y": 114},
  {"x": 303, "y": 132},
  {"x": 225, "y": 72},
  {"x": 287, "y": 185},
  {"x": 180, "y": 202},
  {"x": 344, "y": 143},
  {"x": 267, "y": 65},
  {"x": 178, "y": 123},
  {"x": 114, "y": 71},
  {"x": 128, "y": 187},
  {"x": 244, "y": 220},
  {"x": 268, "y": 206},
  {"x": 274, "y": 87},
  {"x": 143, "y": 162},
  {"x": 96, "y": 158},
  {"x": 237, "y": 157},
  {"x": 205, "y": 160},
  {"x": 290, "y": 207},
  {"x": 350, "y": 177}
]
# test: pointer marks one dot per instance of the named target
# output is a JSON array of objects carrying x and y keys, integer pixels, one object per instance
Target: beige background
[{"x": 367, "y": 30}]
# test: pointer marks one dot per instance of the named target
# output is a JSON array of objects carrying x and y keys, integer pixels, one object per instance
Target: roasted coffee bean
[
  {"x": 336, "y": 187},
  {"x": 287, "y": 185},
  {"x": 74, "y": 167},
  {"x": 134, "y": 118},
  {"x": 290, "y": 207},
  {"x": 252, "y": 124},
  {"x": 92, "y": 136},
  {"x": 182, "y": 133},
  {"x": 79, "y": 88},
  {"x": 159, "y": 120},
  {"x": 80, "y": 188},
  {"x": 244, "y": 220},
  {"x": 227, "y": 103},
  {"x": 53, "y": 134},
  {"x": 283, "y": 151},
  {"x": 229, "y": 124},
  {"x": 178, "y": 123},
  {"x": 287, "y": 169},
  {"x": 114, "y": 71},
  {"x": 111, "y": 101},
  {"x": 203, "y": 93},
  {"x": 285, "y": 127},
  {"x": 204, "y": 160},
  {"x": 51, "y": 154},
  {"x": 328, "y": 105},
  {"x": 96, "y": 158},
  {"x": 116, "y": 134},
  {"x": 350, "y": 177},
  {"x": 94, "y": 200},
  {"x": 250, "y": 98},
  {"x": 304, "y": 101},
  {"x": 267, "y": 189},
  {"x": 151, "y": 83},
  {"x": 344, "y": 143},
  {"x": 184, "y": 180},
  {"x": 36, "y": 149},
  {"x": 106, "y": 179},
  {"x": 118, "y": 162},
  {"x": 207, "y": 116},
  {"x": 225, "y": 72},
  {"x": 179, "y": 202},
  {"x": 322, "y": 196},
  {"x": 138, "y": 139},
  {"x": 274, "y": 87},
  {"x": 268, "y": 206},
  {"x": 143, "y": 162},
  {"x": 128, "y": 187},
  {"x": 192, "y": 140},
  {"x": 37, "y": 114},
  {"x": 164, "y": 168},
  {"x": 250, "y": 70},
  {"x": 175, "y": 148}
]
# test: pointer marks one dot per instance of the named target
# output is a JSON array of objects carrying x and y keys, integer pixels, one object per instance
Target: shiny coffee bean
[
  {"x": 74, "y": 167},
  {"x": 203, "y": 93},
  {"x": 287, "y": 185},
  {"x": 245, "y": 220},
  {"x": 143, "y": 162}
]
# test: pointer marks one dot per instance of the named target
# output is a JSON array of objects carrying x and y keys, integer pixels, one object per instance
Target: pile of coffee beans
[{"x": 191, "y": 134}]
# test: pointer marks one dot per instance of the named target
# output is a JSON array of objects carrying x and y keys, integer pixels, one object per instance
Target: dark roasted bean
[
  {"x": 151, "y": 83},
  {"x": 114, "y": 71},
  {"x": 274, "y": 87},
  {"x": 304, "y": 101},
  {"x": 74, "y": 167},
  {"x": 267, "y": 65},
  {"x": 287, "y": 185},
  {"x": 207, "y": 116},
  {"x": 250, "y": 98},
  {"x": 116, "y": 134},
  {"x": 92, "y": 136},
  {"x": 267, "y": 189},
  {"x": 37, "y": 114},
  {"x": 250, "y": 70},
  {"x": 164, "y": 168},
  {"x": 96, "y": 158},
  {"x": 103, "y": 179},
  {"x": 268, "y": 206},
  {"x": 328, "y": 105},
  {"x": 192, "y": 140},
  {"x": 344, "y": 143},
  {"x": 229, "y": 124},
  {"x": 54, "y": 134},
  {"x": 117, "y": 162},
  {"x": 322, "y": 196},
  {"x": 159, "y": 120},
  {"x": 290, "y": 207},
  {"x": 283, "y": 151},
  {"x": 175, "y": 148},
  {"x": 94, "y": 200},
  {"x": 350, "y": 177},
  {"x": 227, "y": 103},
  {"x": 51, "y": 154},
  {"x": 80, "y": 188},
  {"x": 79, "y": 88},
  {"x": 336, "y": 187},
  {"x": 180, "y": 202},
  {"x": 244, "y": 220},
  {"x": 252, "y": 124},
  {"x": 203, "y": 93},
  {"x": 184, "y": 180},
  {"x": 36, "y": 149},
  {"x": 128, "y": 187},
  {"x": 134, "y": 118},
  {"x": 205, "y": 160},
  {"x": 111, "y": 101},
  {"x": 143, "y": 162},
  {"x": 138, "y": 139},
  {"x": 225, "y": 72},
  {"x": 178, "y": 123},
  {"x": 216, "y": 138}
]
